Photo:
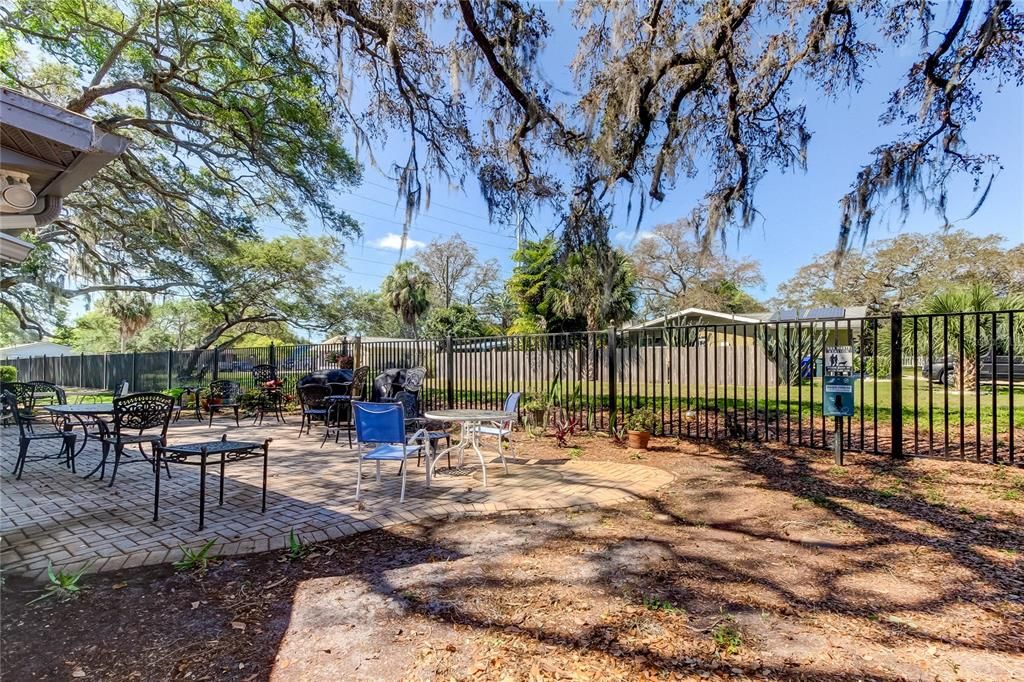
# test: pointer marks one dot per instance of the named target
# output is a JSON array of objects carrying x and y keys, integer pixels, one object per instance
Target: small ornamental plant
[{"x": 639, "y": 425}]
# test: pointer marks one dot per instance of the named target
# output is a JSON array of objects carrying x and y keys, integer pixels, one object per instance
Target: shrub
[
  {"x": 642, "y": 419},
  {"x": 8, "y": 373}
]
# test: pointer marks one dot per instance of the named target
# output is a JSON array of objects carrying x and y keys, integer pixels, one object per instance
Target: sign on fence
[
  {"x": 838, "y": 396},
  {"x": 838, "y": 360}
]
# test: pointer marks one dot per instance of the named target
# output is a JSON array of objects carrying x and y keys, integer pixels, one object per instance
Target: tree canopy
[
  {"x": 905, "y": 270},
  {"x": 675, "y": 271},
  {"x": 665, "y": 93},
  {"x": 232, "y": 117}
]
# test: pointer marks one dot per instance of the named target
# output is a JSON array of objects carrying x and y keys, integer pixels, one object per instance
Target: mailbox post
[{"x": 838, "y": 391}]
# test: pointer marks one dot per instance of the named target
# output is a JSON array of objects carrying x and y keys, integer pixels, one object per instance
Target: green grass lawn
[{"x": 932, "y": 399}]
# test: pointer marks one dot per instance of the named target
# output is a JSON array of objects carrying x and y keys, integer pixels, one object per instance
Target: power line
[
  {"x": 424, "y": 229},
  {"x": 451, "y": 222},
  {"x": 435, "y": 203}
]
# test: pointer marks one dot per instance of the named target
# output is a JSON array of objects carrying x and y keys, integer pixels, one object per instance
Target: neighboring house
[
  {"x": 46, "y": 152},
  {"x": 34, "y": 350},
  {"x": 840, "y": 324}
]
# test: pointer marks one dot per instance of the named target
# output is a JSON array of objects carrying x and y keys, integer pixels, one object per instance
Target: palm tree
[
  {"x": 132, "y": 310},
  {"x": 969, "y": 333},
  {"x": 598, "y": 285},
  {"x": 407, "y": 291}
]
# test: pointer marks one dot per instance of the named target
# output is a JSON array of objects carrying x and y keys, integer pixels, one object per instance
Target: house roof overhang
[{"x": 57, "y": 149}]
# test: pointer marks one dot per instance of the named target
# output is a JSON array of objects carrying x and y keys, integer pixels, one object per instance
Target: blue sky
[{"x": 799, "y": 210}]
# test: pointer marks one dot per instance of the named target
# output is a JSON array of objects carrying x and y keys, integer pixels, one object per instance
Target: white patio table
[{"x": 468, "y": 420}]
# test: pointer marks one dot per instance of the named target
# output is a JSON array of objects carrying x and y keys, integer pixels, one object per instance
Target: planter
[{"x": 638, "y": 439}]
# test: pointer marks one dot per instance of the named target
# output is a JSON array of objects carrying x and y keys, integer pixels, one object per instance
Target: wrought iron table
[
  {"x": 86, "y": 414},
  {"x": 469, "y": 436},
  {"x": 227, "y": 450}
]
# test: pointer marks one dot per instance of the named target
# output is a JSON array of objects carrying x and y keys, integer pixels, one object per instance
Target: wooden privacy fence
[{"x": 954, "y": 391}]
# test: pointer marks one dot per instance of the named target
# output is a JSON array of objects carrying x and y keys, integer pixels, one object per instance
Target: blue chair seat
[{"x": 391, "y": 452}]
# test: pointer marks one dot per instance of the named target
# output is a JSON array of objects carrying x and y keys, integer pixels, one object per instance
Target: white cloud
[
  {"x": 630, "y": 237},
  {"x": 394, "y": 241}
]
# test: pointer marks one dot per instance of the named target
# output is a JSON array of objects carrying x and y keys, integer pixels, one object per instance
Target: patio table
[
  {"x": 225, "y": 451},
  {"x": 469, "y": 436},
  {"x": 85, "y": 414}
]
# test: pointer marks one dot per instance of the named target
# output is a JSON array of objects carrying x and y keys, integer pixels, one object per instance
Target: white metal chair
[
  {"x": 502, "y": 430},
  {"x": 380, "y": 427}
]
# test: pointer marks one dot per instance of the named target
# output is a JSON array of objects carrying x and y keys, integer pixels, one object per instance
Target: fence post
[
  {"x": 106, "y": 384},
  {"x": 273, "y": 354},
  {"x": 170, "y": 371},
  {"x": 449, "y": 371},
  {"x": 43, "y": 377},
  {"x": 357, "y": 352},
  {"x": 135, "y": 373},
  {"x": 216, "y": 361},
  {"x": 896, "y": 382},
  {"x": 612, "y": 388},
  {"x": 81, "y": 371}
]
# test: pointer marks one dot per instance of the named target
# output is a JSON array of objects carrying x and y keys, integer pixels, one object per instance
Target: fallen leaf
[
  {"x": 119, "y": 586},
  {"x": 195, "y": 605},
  {"x": 238, "y": 625},
  {"x": 77, "y": 672}
]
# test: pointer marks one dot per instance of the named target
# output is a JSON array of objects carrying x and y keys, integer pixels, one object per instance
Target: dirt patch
[{"x": 757, "y": 561}]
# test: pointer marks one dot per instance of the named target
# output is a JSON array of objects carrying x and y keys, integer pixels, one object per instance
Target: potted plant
[
  {"x": 639, "y": 425},
  {"x": 535, "y": 405}
]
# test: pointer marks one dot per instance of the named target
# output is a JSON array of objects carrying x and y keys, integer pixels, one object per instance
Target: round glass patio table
[
  {"x": 86, "y": 414},
  {"x": 469, "y": 435}
]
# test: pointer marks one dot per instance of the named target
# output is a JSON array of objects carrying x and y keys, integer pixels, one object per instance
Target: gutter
[{"x": 15, "y": 223}]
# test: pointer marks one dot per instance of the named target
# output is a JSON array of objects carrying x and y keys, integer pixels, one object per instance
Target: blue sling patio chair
[{"x": 381, "y": 437}]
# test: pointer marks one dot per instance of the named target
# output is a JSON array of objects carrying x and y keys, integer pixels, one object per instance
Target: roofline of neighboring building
[{"x": 694, "y": 311}]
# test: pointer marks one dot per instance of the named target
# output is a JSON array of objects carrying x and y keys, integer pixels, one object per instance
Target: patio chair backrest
[
  {"x": 379, "y": 422},
  {"x": 409, "y": 403},
  {"x": 228, "y": 392},
  {"x": 314, "y": 396},
  {"x": 512, "y": 402},
  {"x": 261, "y": 374},
  {"x": 142, "y": 412},
  {"x": 414, "y": 379},
  {"x": 382, "y": 385},
  {"x": 359, "y": 380},
  {"x": 16, "y": 410},
  {"x": 47, "y": 393},
  {"x": 122, "y": 389},
  {"x": 22, "y": 392}
]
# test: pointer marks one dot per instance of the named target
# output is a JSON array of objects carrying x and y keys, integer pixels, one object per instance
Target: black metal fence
[{"x": 944, "y": 385}]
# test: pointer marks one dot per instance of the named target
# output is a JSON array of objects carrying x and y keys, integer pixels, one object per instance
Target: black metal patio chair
[
  {"x": 139, "y": 419},
  {"x": 315, "y": 405},
  {"x": 222, "y": 395},
  {"x": 415, "y": 422},
  {"x": 341, "y": 403},
  {"x": 271, "y": 397},
  {"x": 27, "y": 435},
  {"x": 23, "y": 392}
]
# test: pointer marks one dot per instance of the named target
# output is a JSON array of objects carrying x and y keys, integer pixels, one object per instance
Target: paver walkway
[{"x": 52, "y": 515}]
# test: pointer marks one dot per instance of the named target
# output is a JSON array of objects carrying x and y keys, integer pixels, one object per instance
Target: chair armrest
[{"x": 421, "y": 434}]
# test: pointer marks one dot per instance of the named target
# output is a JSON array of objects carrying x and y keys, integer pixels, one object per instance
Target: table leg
[
  {"x": 480, "y": 455},
  {"x": 156, "y": 487},
  {"x": 202, "y": 489},
  {"x": 220, "y": 503},
  {"x": 266, "y": 450}
]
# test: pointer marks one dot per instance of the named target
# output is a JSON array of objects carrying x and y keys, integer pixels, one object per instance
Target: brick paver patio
[{"x": 52, "y": 515}]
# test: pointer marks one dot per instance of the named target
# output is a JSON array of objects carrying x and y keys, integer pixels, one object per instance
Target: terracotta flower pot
[{"x": 638, "y": 439}]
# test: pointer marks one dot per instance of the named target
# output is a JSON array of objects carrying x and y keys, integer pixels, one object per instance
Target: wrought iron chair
[
  {"x": 24, "y": 394},
  {"x": 139, "y": 419},
  {"x": 271, "y": 397},
  {"x": 345, "y": 400},
  {"x": 381, "y": 437},
  {"x": 26, "y": 434},
  {"x": 503, "y": 430},
  {"x": 414, "y": 379},
  {"x": 223, "y": 395},
  {"x": 416, "y": 423},
  {"x": 47, "y": 393},
  {"x": 314, "y": 402}
]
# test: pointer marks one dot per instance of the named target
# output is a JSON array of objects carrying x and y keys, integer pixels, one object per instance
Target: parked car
[{"x": 947, "y": 370}]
